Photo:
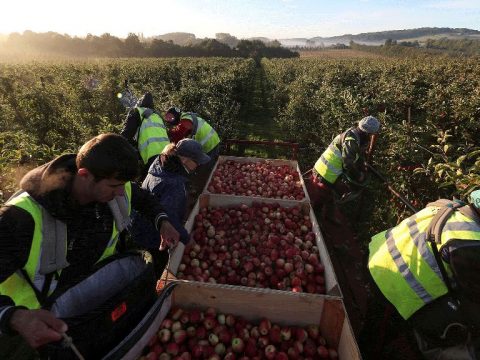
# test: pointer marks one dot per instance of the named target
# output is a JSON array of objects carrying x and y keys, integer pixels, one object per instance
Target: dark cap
[
  {"x": 176, "y": 112},
  {"x": 193, "y": 150}
]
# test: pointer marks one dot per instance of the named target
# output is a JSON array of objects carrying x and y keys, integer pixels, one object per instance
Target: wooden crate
[
  {"x": 277, "y": 162},
  {"x": 284, "y": 308},
  {"x": 331, "y": 284}
]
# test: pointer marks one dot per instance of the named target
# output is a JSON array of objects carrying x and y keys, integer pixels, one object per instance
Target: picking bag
[{"x": 102, "y": 309}]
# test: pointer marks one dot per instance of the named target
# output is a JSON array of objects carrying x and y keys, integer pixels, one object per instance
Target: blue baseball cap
[{"x": 193, "y": 150}]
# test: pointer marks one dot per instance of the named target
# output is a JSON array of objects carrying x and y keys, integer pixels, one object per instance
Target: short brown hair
[
  {"x": 169, "y": 149},
  {"x": 108, "y": 156}
]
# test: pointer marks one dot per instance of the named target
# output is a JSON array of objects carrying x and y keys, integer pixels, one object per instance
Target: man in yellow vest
[
  {"x": 182, "y": 125},
  {"x": 144, "y": 128},
  {"x": 65, "y": 220},
  {"x": 428, "y": 268},
  {"x": 343, "y": 159}
]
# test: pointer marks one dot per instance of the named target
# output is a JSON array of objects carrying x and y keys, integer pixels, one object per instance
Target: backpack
[{"x": 434, "y": 231}]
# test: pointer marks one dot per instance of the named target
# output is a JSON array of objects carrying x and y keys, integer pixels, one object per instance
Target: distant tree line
[
  {"x": 460, "y": 46},
  {"x": 338, "y": 46},
  {"x": 410, "y": 34},
  {"x": 107, "y": 45},
  {"x": 442, "y": 47}
]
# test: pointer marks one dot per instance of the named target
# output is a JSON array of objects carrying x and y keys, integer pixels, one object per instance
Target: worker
[
  {"x": 428, "y": 268},
  {"x": 145, "y": 129},
  {"x": 167, "y": 180},
  {"x": 183, "y": 125},
  {"x": 89, "y": 195},
  {"x": 341, "y": 166}
]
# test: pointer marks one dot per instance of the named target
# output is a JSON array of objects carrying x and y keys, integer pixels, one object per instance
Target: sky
[{"x": 274, "y": 19}]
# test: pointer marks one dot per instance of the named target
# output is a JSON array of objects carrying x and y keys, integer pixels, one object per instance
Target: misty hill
[
  {"x": 179, "y": 38},
  {"x": 187, "y": 39},
  {"x": 378, "y": 38}
]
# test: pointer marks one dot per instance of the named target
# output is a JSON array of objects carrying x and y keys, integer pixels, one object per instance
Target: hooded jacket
[
  {"x": 89, "y": 226},
  {"x": 168, "y": 182}
]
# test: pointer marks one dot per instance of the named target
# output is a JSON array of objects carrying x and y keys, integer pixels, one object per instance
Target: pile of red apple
[
  {"x": 257, "y": 179},
  {"x": 263, "y": 245},
  {"x": 193, "y": 334}
]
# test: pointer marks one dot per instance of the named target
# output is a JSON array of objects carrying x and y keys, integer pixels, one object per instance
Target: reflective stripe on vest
[
  {"x": 402, "y": 263},
  {"x": 329, "y": 165},
  {"x": 15, "y": 286},
  {"x": 121, "y": 219},
  {"x": 152, "y": 134},
  {"x": 203, "y": 132}
]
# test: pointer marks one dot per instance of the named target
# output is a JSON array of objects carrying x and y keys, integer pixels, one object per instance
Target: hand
[
  {"x": 37, "y": 327},
  {"x": 168, "y": 236}
]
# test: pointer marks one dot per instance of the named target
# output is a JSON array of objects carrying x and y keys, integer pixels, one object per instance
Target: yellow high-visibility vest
[
  {"x": 152, "y": 134},
  {"x": 202, "y": 132},
  {"x": 330, "y": 164},
  {"x": 403, "y": 265},
  {"x": 16, "y": 286}
]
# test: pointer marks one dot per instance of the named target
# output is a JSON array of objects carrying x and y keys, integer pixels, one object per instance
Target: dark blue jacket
[{"x": 170, "y": 188}]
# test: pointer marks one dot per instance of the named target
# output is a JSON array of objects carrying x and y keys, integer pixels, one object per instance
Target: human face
[
  {"x": 188, "y": 163},
  {"x": 106, "y": 189},
  {"x": 87, "y": 189}
]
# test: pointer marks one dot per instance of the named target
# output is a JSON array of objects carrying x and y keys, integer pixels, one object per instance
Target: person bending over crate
[
  {"x": 167, "y": 180},
  {"x": 182, "y": 125},
  {"x": 428, "y": 268},
  {"x": 341, "y": 167}
]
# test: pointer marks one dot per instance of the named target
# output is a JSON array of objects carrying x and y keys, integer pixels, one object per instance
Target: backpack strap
[
  {"x": 447, "y": 207},
  {"x": 434, "y": 234},
  {"x": 195, "y": 123},
  {"x": 343, "y": 136},
  {"x": 41, "y": 295}
]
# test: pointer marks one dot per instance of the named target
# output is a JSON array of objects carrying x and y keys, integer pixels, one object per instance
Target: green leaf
[
  {"x": 473, "y": 154},
  {"x": 446, "y": 184},
  {"x": 461, "y": 159}
]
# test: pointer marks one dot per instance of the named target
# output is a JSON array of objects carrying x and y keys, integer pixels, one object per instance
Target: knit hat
[
  {"x": 369, "y": 124},
  {"x": 474, "y": 198},
  {"x": 193, "y": 150}
]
